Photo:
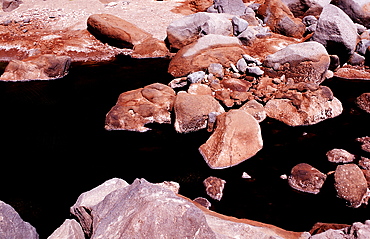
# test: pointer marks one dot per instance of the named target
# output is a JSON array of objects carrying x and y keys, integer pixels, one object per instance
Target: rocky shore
[{"x": 233, "y": 64}]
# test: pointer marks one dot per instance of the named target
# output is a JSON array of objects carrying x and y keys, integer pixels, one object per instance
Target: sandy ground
[{"x": 150, "y": 15}]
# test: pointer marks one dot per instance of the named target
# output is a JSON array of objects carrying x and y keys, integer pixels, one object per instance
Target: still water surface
[{"x": 54, "y": 147}]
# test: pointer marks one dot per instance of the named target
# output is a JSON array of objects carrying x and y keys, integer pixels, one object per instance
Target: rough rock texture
[
  {"x": 144, "y": 210},
  {"x": 136, "y": 108},
  {"x": 85, "y": 202},
  {"x": 351, "y": 184},
  {"x": 192, "y": 111},
  {"x": 357, "y": 230},
  {"x": 301, "y": 8},
  {"x": 303, "y": 62},
  {"x": 340, "y": 156},
  {"x": 280, "y": 19},
  {"x": 237, "y": 138},
  {"x": 186, "y": 30},
  {"x": 357, "y": 10},
  {"x": 10, "y": 5},
  {"x": 305, "y": 108},
  {"x": 214, "y": 187},
  {"x": 12, "y": 225},
  {"x": 42, "y": 67},
  {"x": 70, "y": 229},
  {"x": 206, "y": 50},
  {"x": 306, "y": 178},
  {"x": 363, "y": 101},
  {"x": 365, "y": 143},
  {"x": 234, "y": 7},
  {"x": 255, "y": 109},
  {"x": 337, "y": 32}
]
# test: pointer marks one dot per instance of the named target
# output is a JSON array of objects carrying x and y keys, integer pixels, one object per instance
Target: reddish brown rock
[
  {"x": 255, "y": 109},
  {"x": 214, "y": 187},
  {"x": 150, "y": 48},
  {"x": 320, "y": 227},
  {"x": 351, "y": 184},
  {"x": 200, "y": 54},
  {"x": 365, "y": 143},
  {"x": 363, "y": 101},
  {"x": 340, "y": 156},
  {"x": 136, "y": 108},
  {"x": 190, "y": 118},
  {"x": 306, "y": 178},
  {"x": 237, "y": 138}
]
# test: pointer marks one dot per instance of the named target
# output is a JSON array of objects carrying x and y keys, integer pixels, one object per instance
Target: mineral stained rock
[
  {"x": 306, "y": 178},
  {"x": 214, "y": 187},
  {"x": 340, "y": 156}
]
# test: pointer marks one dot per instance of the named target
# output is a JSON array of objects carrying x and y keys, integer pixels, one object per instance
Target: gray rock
[
  {"x": 254, "y": 71},
  {"x": 362, "y": 46},
  {"x": 239, "y": 25},
  {"x": 356, "y": 59},
  {"x": 196, "y": 77},
  {"x": 337, "y": 32},
  {"x": 214, "y": 187},
  {"x": 248, "y": 36},
  {"x": 234, "y": 7},
  {"x": 216, "y": 69},
  {"x": 252, "y": 60},
  {"x": 70, "y": 229},
  {"x": 144, "y": 210},
  {"x": 309, "y": 20},
  {"x": 340, "y": 156},
  {"x": 241, "y": 65},
  {"x": 186, "y": 30},
  {"x": 357, "y": 10},
  {"x": 12, "y": 226},
  {"x": 302, "y": 8},
  {"x": 306, "y": 178},
  {"x": 10, "y": 5}
]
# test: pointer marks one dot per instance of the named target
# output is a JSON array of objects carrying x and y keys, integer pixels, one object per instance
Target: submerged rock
[
  {"x": 237, "y": 138},
  {"x": 214, "y": 187},
  {"x": 340, "y": 156},
  {"x": 363, "y": 102},
  {"x": 365, "y": 143},
  {"x": 134, "y": 109},
  {"x": 306, "y": 178}
]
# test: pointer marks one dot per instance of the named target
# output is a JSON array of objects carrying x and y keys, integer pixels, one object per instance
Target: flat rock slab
[{"x": 306, "y": 178}]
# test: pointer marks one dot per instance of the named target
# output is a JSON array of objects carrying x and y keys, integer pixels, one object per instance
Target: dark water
[{"x": 54, "y": 147}]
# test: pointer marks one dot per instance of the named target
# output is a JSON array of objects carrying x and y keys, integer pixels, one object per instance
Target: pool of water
[{"x": 54, "y": 147}]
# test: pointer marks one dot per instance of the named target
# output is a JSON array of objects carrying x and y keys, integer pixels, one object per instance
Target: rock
[
  {"x": 196, "y": 77},
  {"x": 188, "y": 29},
  {"x": 150, "y": 48},
  {"x": 10, "y": 5},
  {"x": 70, "y": 229},
  {"x": 237, "y": 138},
  {"x": 320, "y": 227},
  {"x": 254, "y": 71},
  {"x": 340, "y": 156},
  {"x": 199, "y": 89},
  {"x": 116, "y": 31},
  {"x": 351, "y": 184},
  {"x": 337, "y": 32},
  {"x": 201, "y": 5},
  {"x": 239, "y": 25},
  {"x": 357, "y": 10},
  {"x": 303, "y": 177},
  {"x": 306, "y": 108},
  {"x": 363, "y": 102},
  {"x": 203, "y": 201},
  {"x": 365, "y": 143},
  {"x": 233, "y": 91},
  {"x": 251, "y": 60},
  {"x": 280, "y": 19},
  {"x": 301, "y": 8},
  {"x": 303, "y": 62},
  {"x": 233, "y": 7},
  {"x": 12, "y": 225},
  {"x": 214, "y": 187},
  {"x": 134, "y": 109},
  {"x": 190, "y": 118},
  {"x": 255, "y": 109},
  {"x": 205, "y": 51},
  {"x": 178, "y": 82},
  {"x": 170, "y": 185},
  {"x": 143, "y": 210},
  {"x": 86, "y": 201},
  {"x": 357, "y": 230},
  {"x": 364, "y": 163},
  {"x": 249, "y": 36},
  {"x": 216, "y": 69},
  {"x": 42, "y": 67}
]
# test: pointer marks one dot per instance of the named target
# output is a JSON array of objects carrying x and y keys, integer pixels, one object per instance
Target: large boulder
[
  {"x": 12, "y": 225},
  {"x": 303, "y": 62},
  {"x": 305, "y": 178},
  {"x": 206, "y": 50},
  {"x": 236, "y": 138},
  {"x": 134, "y": 109},
  {"x": 305, "y": 108},
  {"x": 357, "y": 10},
  {"x": 42, "y": 67},
  {"x": 280, "y": 19},
  {"x": 186, "y": 30},
  {"x": 351, "y": 184},
  {"x": 337, "y": 32},
  {"x": 192, "y": 111},
  {"x": 70, "y": 229}
]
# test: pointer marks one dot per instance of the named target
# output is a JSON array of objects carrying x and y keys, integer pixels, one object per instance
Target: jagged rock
[
  {"x": 357, "y": 230},
  {"x": 10, "y": 5},
  {"x": 363, "y": 102},
  {"x": 365, "y": 143},
  {"x": 351, "y": 184},
  {"x": 70, "y": 229},
  {"x": 186, "y": 30},
  {"x": 255, "y": 109},
  {"x": 86, "y": 201},
  {"x": 214, "y": 187},
  {"x": 116, "y": 31},
  {"x": 234, "y": 7},
  {"x": 364, "y": 163},
  {"x": 143, "y": 210},
  {"x": 340, "y": 156},
  {"x": 237, "y": 138},
  {"x": 301, "y": 8},
  {"x": 337, "y": 32},
  {"x": 170, "y": 185},
  {"x": 357, "y": 10},
  {"x": 306, "y": 178},
  {"x": 305, "y": 108},
  {"x": 303, "y": 62},
  {"x": 203, "y": 201},
  {"x": 208, "y": 49},
  {"x": 12, "y": 225},
  {"x": 42, "y": 67},
  {"x": 239, "y": 25},
  {"x": 249, "y": 36},
  {"x": 134, "y": 109},
  {"x": 196, "y": 77},
  {"x": 280, "y": 19},
  {"x": 190, "y": 118}
]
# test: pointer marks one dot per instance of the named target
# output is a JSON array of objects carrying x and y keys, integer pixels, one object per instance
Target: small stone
[
  {"x": 203, "y": 201},
  {"x": 340, "y": 156},
  {"x": 364, "y": 163},
  {"x": 255, "y": 71},
  {"x": 306, "y": 178},
  {"x": 196, "y": 77},
  {"x": 246, "y": 175},
  {"x": 284, "y": 176},
  {"x": 239, "y": 25},
  {"x": 363, "y": 102},
  {"x": 250, "y": 59},
  {"x": 214, "y": 187},
  {"x": 216, "y": 69},
  {"x": 241, "y": 65}
]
